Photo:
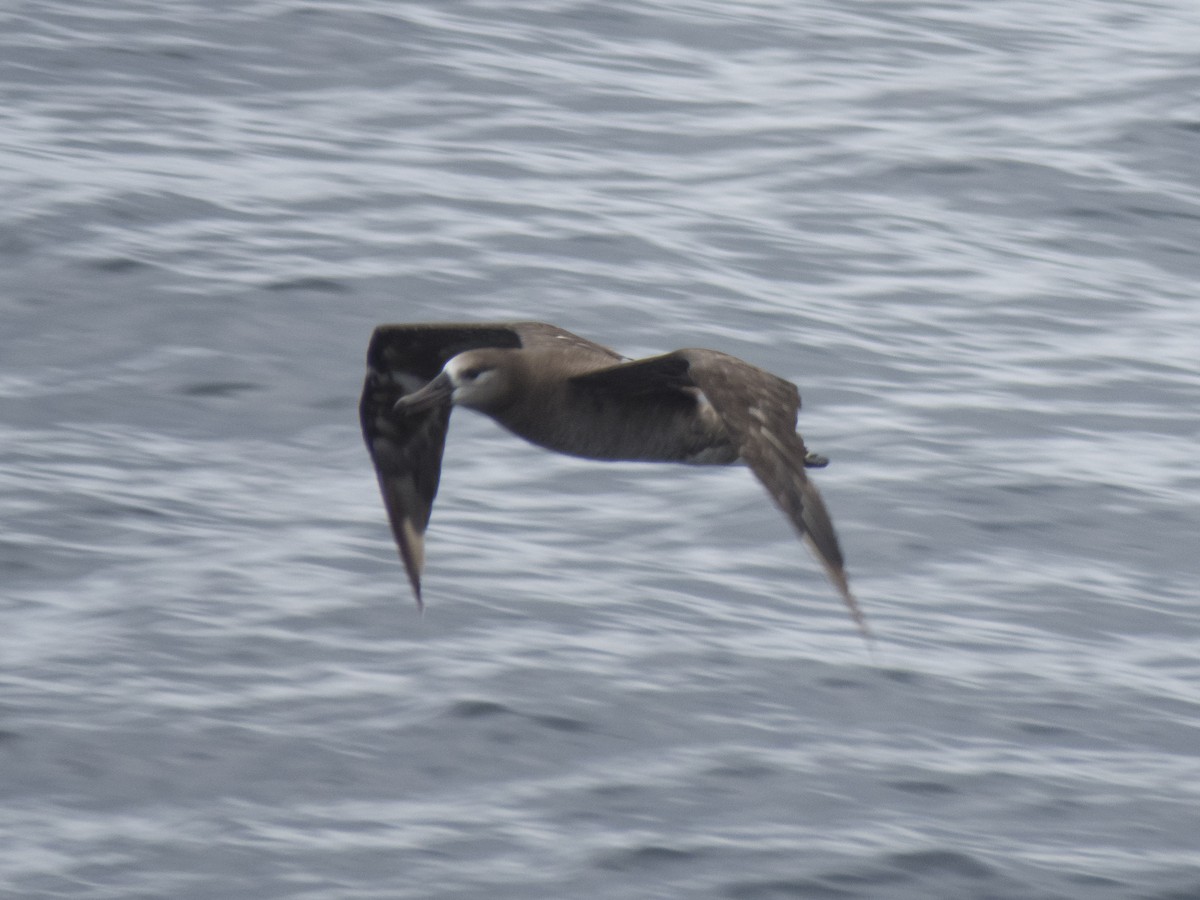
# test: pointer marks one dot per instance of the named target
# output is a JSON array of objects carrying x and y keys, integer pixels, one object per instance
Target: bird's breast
[{"x": 645, "y": 429}]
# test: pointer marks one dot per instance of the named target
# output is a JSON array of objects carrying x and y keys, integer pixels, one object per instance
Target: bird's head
[{"x": 475, "y": 379}]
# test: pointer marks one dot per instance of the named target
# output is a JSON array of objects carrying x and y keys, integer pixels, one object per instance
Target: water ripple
[{"x": 966, "y": 232}]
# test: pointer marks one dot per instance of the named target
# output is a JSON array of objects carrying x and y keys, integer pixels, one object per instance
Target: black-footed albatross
[{"x": 565, "y": 393}]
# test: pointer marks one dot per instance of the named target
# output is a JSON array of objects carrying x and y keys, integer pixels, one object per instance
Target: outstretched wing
[
  {"x": 664, "y": 374},
  {"x": 760, "y": 409},
  {"x": 759, "y": 412},
  {"x": 407, "y": 448}
]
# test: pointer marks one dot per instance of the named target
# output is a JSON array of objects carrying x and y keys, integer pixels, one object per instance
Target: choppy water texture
[{"x": 968, "y": 231}]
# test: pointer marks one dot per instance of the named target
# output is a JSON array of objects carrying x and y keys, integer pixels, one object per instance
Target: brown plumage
[{"x": 567, "y": 394}]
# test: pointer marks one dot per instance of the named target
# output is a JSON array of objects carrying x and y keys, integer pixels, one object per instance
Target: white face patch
[
  {"x": 458, "y": 368},
  {"x": 454, "y": 367},
  {"x": 476, "y": 379}
]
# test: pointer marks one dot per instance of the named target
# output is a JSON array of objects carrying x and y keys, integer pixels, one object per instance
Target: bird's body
[{"x": 567, "y": 394}]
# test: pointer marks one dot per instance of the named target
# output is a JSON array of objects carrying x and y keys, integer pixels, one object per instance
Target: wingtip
[
  {"x": 837, "y": 575},
  {"x": 415, "y": 581},
  {"x": 856, "y": 613},
  {"x": 412, "y": 551}
]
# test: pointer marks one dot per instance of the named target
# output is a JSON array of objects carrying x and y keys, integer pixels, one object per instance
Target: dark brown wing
[
  {"x": 639, "y": 377},
  {"x": 766, "y": 430},
  {"x": 407, "y": 448},
  {"x": 759, "y": 411},
  {"x": 407, "y": 453}
]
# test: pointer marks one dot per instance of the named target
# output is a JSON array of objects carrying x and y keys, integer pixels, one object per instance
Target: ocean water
[{"x": 967, "y": 231}]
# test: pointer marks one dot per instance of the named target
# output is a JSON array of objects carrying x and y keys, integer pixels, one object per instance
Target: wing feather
[
  {"x": 406, "y": 449},
  {"x": 757, "y": 409},
  {"x": 764, "y": 426},
  {"x": 664, "y": 374}
]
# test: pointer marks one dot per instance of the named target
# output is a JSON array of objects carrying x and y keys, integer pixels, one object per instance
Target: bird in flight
[{"x": 565, "y": 393}]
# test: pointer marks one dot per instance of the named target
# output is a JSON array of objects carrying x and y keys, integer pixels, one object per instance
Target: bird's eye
[{"x": 471, "y": 374}]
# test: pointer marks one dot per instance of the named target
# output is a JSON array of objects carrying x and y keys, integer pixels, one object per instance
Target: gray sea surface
[{"x": 970, "y": 233}]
